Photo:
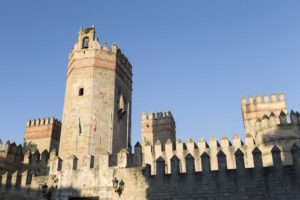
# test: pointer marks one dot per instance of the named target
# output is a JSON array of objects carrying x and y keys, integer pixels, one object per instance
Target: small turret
[
  {"x": 158, "y": 127},
  {"x": 256, "y": 109},
  {"x": 43, "y": 133}
]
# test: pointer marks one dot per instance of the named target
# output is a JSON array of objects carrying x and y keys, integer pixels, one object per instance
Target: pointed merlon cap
[
  {"x": 160, "y": 159},
  {"x": 295, "y": 148},
  {"x": 212, "y": 138},
  {"x": 236, "y": 136},
  {"x": 250, "y": 100},
  {"x": 137, "y": 144},
  {"x": 168, "y": 113},
  {"x": 45, "y": 152},
  {"x": 292, "y": 113},
  {"x": 204, "y": 155},
  {"x": 157, "y": 142},
  {"x": 143, "y": 115},
  {"x": 272, "y": 115},
  {"x": 72, "y": 157},
  {"x": 19, "y": 146},
  {"x": 175, "y": 158},
  {"x": 266, "y": 98},
  {"x": 179, "y": 141},
  {"x": 190, "y": 140},
  {"x": 243, "y": 101},
  {"x": 224, "y": 137},
  {"x": 265, "y": 117},
  {"x": 105, "y": 46},
  {"x": 282, "y": 114},
  {"x": 189, "y": 157},
  {"x": 256, "y": 150},
  {"x": 160, "y": 115},
  {"x": 273, "y": 97},
  {"x": 281, "y": 96},
  {"x": 221, "y": 153},
  {"x": 169, "y": 141},
  {"x": 53, "y": 152},
  {"x": 151, "y": 115},
  {"x": 148, "y": 143},
  {"x": 258, "y": 99},
  {"x": 275, "y": 149},
  {"x": 238, "y": 152}
]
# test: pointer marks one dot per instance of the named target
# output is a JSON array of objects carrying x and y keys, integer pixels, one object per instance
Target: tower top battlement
[
  {"x": 256, "y": 108},
  {"x": 158, "y": 126},
  {"x": 88, "y": 52}
]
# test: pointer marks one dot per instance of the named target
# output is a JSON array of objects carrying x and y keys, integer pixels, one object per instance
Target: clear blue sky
[{"x": 196, "y": 58}]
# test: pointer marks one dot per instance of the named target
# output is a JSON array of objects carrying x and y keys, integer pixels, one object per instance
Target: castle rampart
[
  {"x": 236, "y": 182},
  {"x": 11, "y": 156}
]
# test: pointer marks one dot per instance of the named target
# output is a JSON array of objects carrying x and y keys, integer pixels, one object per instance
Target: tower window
[
  {"x": 85, "y": 43},
  {"x": 81, "y": 92}
]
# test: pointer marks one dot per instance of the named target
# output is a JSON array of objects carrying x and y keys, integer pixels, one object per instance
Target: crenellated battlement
[
  {"x": 269, "y": 121},
  {"x": 11, "y": 155},
  {"x": 263, "y": 99},
  {"x": 175, "y": 164},
  {"x": 33, "y": 171},
  {"x": 256, "y": 108},
  {"x": 88, "y": 46},
  {"x": 157, "y": 115},
  {"x": 213, "y": 149},
  {"x": 10, "y": 148},
  {"x": 43, "y": 121}
]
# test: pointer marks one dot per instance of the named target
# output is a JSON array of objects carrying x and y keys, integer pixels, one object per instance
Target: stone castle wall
[{"x": 277, "y": 181}]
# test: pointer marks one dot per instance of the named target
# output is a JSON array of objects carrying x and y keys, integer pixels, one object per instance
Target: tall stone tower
[{"x": 97, "y": 105}]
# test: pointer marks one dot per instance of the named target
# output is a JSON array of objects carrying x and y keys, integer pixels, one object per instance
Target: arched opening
[
  {"x": 81, "y": 92},
  {"x": 85, "y": 43}
]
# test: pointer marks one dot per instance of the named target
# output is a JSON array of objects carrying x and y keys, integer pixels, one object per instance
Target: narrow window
[
  {"x": 81, "y": 92},
  {"x": 92, "y": 162},
  {"x": 85, "y": 43}
]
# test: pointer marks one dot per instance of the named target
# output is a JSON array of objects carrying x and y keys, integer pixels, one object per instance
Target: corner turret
[
  {"x": 43, "y": 133},
  {"x": 256, "y": 108},
  {"x": 158, "y": 127}
]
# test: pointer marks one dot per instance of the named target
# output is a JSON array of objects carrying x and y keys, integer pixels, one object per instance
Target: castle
[{"x": 89, "y": 156}]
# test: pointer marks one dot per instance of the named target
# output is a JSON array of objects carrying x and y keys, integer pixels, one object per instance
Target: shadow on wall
[
  {"x": 276, "y": 182},
  {"x": 24, "y": 193}
]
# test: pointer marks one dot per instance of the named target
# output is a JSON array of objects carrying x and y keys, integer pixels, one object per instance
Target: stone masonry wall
[{"x": 257, "y": 182}]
